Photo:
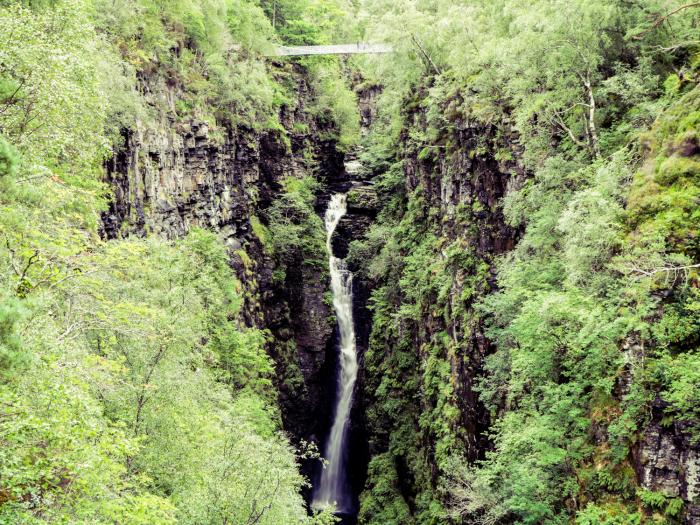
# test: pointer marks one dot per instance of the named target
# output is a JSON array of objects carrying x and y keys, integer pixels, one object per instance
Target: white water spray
[{"x": 332, "y": 487}]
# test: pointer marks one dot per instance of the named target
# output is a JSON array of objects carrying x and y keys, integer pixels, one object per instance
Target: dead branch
[
  {"x": 667, "y": 270},
  {"x": 11, "y": 99},
  {"x": 560, "y": 122}
]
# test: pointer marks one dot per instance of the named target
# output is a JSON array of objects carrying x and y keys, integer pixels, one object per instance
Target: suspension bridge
[{"x": 359, "y": 48}]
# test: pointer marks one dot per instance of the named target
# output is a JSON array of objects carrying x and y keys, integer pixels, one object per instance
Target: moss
[
  {"x": 383, "y": 502},
  {"x": 245, "y": 259},
  {"x": 288, "y": 369},
  {"x": 273, "y": 124},
  {"x": 674, "y": 168},
  {"x": 300, "y": 128},
  {"x": 361, "y": 198},
  {"x": 611, "y": 512},
  {"x": 663, "y": 201},
  {"x": 260, "y": 230},
  {"x": 503, "y": 154}
]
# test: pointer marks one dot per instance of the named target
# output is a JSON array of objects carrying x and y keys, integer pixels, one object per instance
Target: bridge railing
[{"x": 339, "y": 49}]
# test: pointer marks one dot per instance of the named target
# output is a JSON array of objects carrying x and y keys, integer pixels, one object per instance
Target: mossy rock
[
  {"x": 363, "y": 199},
  {"x": 664, "y": 202}
]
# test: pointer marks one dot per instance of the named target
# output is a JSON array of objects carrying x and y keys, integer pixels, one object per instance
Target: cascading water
[{"x": 332, "y": 488}]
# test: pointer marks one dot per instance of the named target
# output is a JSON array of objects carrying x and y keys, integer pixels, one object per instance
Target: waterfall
[{"x": 332, "y": 487}]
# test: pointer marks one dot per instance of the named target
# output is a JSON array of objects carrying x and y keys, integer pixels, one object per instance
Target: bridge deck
[{"x": 341, "y": 49}]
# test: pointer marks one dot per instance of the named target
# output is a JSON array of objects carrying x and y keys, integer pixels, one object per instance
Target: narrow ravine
[{"x": 333, "y": 487}]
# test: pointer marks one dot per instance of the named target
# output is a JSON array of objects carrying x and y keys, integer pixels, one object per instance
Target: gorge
[{"x": 455, "y": 283}]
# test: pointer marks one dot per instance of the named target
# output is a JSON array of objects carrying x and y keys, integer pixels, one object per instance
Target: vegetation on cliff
[
  {"x": 534, "y": 267},
  {"x": 589, "y": 110},
  {"x": 130, "y": 389}
]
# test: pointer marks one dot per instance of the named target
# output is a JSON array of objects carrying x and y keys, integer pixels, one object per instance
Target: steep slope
[
  {"x": 171, "y": 179},
  {"x": 577, "y": 346},
  {"x": 434, "y": 249},
  {"x": 141, "y": 366},
  {"x": 533, "y": 267}
]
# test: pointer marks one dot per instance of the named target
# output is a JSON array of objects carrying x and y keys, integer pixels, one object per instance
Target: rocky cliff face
[
  {"x": 667, "y": 460},
  {"x": 467, "y": 183},
  {"x": 426, "y": 354},
  {"x": 175, "y": 176},
  {"x": 444, "y": 230}
]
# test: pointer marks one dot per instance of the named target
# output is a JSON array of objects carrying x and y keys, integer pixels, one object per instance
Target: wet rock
[
  {"x": 363, "y": 200},
  {"x": 351, "y": 227},
  {"x": 667, "y": 460},
  {"x": 367, "y": 93},
  {"x": 362, "y": 208}
]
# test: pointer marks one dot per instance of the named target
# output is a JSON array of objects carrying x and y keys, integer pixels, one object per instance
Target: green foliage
[
  {"x": 11, "y": 354},
  {"x": 335, "y": 101},
  {"x": 671, "y": 507},
  {"x": 531, "y": 60},
  {"x": 296, "y": 232},
  {"x": 216, "y": 64},
  {"x": 384, "y": 503},
  {"x": 130, "y": 390},
  {"x": 563, "y": 312},
  {"x": 53, "y": 105},
  {"x": 313, "y": 22},
  {"x": 123, "y": 414},
  {"x": 8, "y": 159},
  {"x": 600, "y": 290},
  {"x": 609, "y": 514}
]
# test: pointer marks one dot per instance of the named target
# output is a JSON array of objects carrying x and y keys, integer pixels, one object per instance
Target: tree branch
[
  {"x": 660, "y": 20},
  {"x": 667, "y": 269},
  {"x": 591, "y": 130},
  {"x": 11, "y": 99},
  {"x": 560, "y": 122},
  {"x": 425, "y": 54}
]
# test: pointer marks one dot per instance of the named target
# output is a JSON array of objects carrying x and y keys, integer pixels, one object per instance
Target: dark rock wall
[
  {"x": 467, "y": 176},
  {"x": 454, "y": 189},
  {"x": 667, "y": 460},
  {"x": 173, "y": 176}
]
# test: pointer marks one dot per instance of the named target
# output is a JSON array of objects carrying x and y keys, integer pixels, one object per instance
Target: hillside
[{"x": 457, "y": 283}]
